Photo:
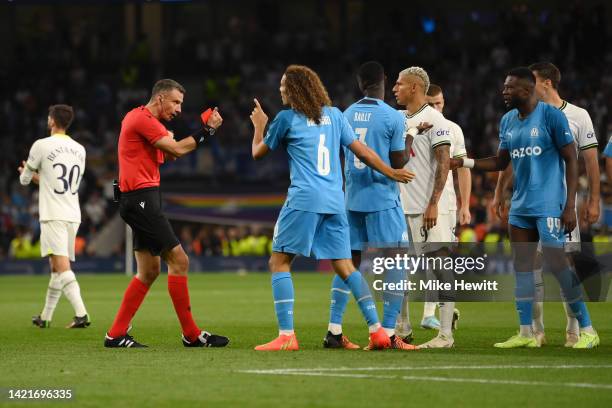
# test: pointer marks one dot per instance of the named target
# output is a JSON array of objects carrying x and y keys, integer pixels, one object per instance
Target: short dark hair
[
  {"x": 164, "y": 85},
  {"x": 522, "y": 73},
  {"x": 371, "y": 73},
  {"x": 62, "y": 115},
  {"x": 434, "y": 90},
  {"x": 547, "y": 70}
]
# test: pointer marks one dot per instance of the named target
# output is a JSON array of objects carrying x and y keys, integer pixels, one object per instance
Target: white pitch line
[
  {"x": 430, "y": 368},
  {"x": 428, "y": 378}
]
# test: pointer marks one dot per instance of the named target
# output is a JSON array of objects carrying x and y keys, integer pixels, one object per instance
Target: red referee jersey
[{"x": 139, "y": 160}]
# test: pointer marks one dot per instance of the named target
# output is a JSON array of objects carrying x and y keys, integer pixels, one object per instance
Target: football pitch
[{"x": 240, "y": 306}]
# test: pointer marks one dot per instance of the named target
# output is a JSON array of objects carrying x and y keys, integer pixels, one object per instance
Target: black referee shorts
[{"x": 141, "y": 210}]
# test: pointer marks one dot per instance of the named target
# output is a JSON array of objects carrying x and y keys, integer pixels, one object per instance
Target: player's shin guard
[
  {"x": 524, "y": 292},
  {"x": 572, "y": 293},
  {"x": 282, "y": 291},
  {"x": 392, "y": 300},
  {"x": 363, "y": 296},
  {"x": 177, "y": 288},
  {"x": 132, "y": 299},
  {"x": 54, "y": 292},
  {"x": 340, "y": 293}
]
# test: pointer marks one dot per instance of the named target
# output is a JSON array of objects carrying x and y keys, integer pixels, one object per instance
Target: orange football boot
[{"x": 282, "y": 343}]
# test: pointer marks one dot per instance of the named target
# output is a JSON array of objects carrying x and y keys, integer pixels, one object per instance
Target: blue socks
[
  {"x": 282, "y": 291},
  {"x": 340, "y": 292},
  {"x": 361, "y": 292},
  {"x": 572, "y": 292},
  {"x": 524, "y": 292},
  {"x": 392, "y": 299}
]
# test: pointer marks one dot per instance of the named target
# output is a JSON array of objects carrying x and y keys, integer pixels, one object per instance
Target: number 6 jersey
[
  {"x": 314, "y": 158},
  {"x": 60, "y": 163}
]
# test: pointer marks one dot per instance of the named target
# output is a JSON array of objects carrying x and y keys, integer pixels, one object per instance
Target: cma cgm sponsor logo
[
  {"x": 534, "y": 132},
  {"x": 526, "y": 151},
  {"x": 443, "y": 132}
]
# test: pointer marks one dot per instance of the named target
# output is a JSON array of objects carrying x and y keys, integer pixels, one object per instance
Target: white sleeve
[
  {"x": 586, "y": 133},
  {"x": 459, "y": 147},
  {"x": 439, "y": 134},
  {"x": 32, "y": 164},
  {"x": 34, "y": 157}
]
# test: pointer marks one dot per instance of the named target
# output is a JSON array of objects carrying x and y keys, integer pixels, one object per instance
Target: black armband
[{"x": 201, "y": 134}]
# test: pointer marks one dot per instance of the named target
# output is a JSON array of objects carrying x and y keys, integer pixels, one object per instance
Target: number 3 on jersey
[
  {"x": 323, "y": 165},
  {"x": 361, "y": 132}
]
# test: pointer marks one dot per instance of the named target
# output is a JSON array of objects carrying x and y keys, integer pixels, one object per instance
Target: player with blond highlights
[
  {"x": 313, "y": 220},
  {"x": 424, "y": 201}
]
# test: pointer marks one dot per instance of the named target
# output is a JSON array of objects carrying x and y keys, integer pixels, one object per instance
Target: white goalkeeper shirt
[
  {"x": 581, "y": 126},
  {"x": 60, "y": 163},
  {"x": 416, "y": 195},
  {"x": 457, "y": 150}
]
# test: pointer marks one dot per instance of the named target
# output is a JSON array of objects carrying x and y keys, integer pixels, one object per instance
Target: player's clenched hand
[
  {"x": 423, "y": 126},
  {"x": 258, "y": 116},
  {"x": 21, "y": 168},
  {"x": 568, "y": 219},
  {"x": 455, "y": 163},
  {"x": 592, "y": 212},
  {"x": 465, "y": 217},
  {"x": 402, "y": 175},
  {"x": 499, "y": 205},
  {"x": 215, "y": 120},
  {"x": 430, "y": 217}
]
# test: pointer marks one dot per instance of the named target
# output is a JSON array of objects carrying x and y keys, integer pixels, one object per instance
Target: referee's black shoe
[
  {"x": 125, "y": 341},
  {"x": 205, "y": 339}
]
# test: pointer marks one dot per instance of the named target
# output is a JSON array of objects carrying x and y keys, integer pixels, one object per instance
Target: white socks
[
  {"x": 334, "y": 328},
  {"x": 526, "y": 330},
  {"x": 71, "y": 289},
  {"x": 429, "y": 309},
  {"x": 54, "y": 292},
  {"x": 374, "y": 328},
  {"x": 447, "y": 309},
  {"x": 572, "y": 322}
]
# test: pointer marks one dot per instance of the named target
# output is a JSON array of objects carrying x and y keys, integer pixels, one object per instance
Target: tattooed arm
[{"x": 442, "y": 155}]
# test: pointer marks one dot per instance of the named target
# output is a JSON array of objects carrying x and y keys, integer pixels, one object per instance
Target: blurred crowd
[
  {"x": 87, "y": 62},
  {"x": 214, "y": 240}
]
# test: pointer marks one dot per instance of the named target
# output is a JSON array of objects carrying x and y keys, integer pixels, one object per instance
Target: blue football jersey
[
  {"x": 608, "y": 150},
  {"x": 314, "y": 158},
  {"x": 381, "y": 128},
  {"x": 539, "y": 170}
]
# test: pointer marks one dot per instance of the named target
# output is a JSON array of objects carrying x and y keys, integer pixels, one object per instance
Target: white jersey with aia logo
[
  {"x": 415, "y": 195},
  {"x": 60, "y": 163}
]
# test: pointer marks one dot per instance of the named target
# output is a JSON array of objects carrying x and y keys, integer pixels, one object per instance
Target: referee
[{"x": 144, "y": 144}]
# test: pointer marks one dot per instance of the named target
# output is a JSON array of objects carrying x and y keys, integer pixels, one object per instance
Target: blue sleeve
[
  {"x": 503, "y": 142},
  {"x": 347, "y": 135},
  {"x": 558, "y": 127},
  {"x": 398, "y": 125},
  {"x": 608, "y": 150},
  {"x": 278, "y": 129}
]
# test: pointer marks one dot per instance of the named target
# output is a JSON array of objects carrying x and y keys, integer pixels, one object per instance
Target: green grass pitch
[{"x": 167, "y": 374}]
